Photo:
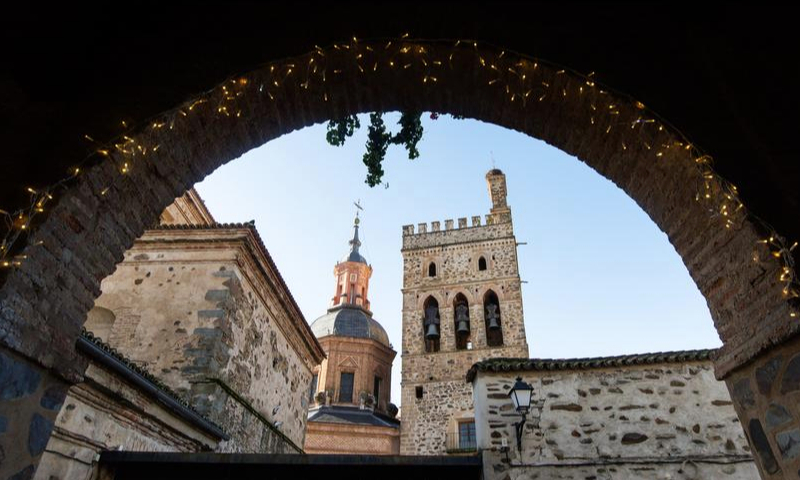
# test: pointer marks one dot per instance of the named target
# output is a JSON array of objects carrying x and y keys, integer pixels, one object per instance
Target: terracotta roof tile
[{"x": 541, "y": 364}]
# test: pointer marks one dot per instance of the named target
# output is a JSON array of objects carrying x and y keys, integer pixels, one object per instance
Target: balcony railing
[{"x": 454, "y": 443}]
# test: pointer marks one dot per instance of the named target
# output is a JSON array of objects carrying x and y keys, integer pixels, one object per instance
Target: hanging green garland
[{"x": 378, "y": 139}]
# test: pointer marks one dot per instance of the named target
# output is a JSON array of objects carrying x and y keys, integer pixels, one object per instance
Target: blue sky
[{"x": 602, "y": 279}]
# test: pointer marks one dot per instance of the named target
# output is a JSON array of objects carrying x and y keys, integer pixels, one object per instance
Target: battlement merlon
[{"x": 496, "y": 226}]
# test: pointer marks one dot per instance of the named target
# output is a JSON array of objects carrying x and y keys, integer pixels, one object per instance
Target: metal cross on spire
[{"x": 357, "y": 203}]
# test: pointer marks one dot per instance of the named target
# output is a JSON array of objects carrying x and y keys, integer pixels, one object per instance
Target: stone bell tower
[{"x": 462, "y": 303}]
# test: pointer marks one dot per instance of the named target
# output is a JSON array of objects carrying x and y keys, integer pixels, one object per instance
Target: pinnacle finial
[{"x": 355, "y": 242}]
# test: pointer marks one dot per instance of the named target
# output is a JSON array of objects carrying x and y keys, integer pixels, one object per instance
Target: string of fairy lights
[{"x": 523, "y": 81}]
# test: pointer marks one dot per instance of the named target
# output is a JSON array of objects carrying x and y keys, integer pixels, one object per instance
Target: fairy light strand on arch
[{"x": 521, "y": 80}]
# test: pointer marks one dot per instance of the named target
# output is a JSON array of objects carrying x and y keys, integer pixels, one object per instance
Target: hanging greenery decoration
[{"x": 378, "y": 139}]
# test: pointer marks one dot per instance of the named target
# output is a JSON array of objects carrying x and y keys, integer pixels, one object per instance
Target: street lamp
[{"x": 521, "y": 394}]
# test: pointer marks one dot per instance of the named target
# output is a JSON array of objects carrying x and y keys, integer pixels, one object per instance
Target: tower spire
[
  {"x": 352, "y": 272},
  {"x": 355, "y": 242}
]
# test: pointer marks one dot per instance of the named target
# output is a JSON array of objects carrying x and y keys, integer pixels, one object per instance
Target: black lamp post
[{"x": 521, "y": 394}]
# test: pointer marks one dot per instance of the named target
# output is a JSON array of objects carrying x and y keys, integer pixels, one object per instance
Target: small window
[
  {"x": 376, "y": 388},
  {"x": 432, "y": 270},
  {"x": 353, "y": 277},
  {"x": 346, "y": 387},
  {"x": 466, "y": 435},
  {"x": 419, "y": 392},
  {"x": 313, "y": 390},
  {"x": 482, "y": 264}
]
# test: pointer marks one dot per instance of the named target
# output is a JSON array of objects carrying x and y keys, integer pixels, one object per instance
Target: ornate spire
[
  {"x": 352, "y": 273},
  {"x": 355, "y": 242},
  {"x": 354, "y": 255}
]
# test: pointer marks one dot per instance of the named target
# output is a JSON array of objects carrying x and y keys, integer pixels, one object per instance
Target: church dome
[{"x": 349, "y": 321}]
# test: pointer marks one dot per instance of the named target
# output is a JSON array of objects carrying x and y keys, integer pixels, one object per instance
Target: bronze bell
[
  {"x": 462, "y": 319},
  {"x": 432, "y": 333},
  {"x": 491, "y": 314},
  {"x": 463, "y": 327}
]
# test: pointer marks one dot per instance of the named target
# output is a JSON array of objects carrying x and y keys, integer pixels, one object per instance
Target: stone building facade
[
  {"x": 351, "y": 389},
  {"x": 462, "y": 303},
  {"x": 655, "y": 416},
  {"x": 119, "y": 406},
  {"x": 203, "y": 307}
]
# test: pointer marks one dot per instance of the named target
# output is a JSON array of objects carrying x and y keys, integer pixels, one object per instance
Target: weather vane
[
  {"x": 491, "y": 155},
  {"x": 357, "y": 203}
]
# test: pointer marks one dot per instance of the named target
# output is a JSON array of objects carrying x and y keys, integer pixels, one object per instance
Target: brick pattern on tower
[{"x": 468, "y": 266}]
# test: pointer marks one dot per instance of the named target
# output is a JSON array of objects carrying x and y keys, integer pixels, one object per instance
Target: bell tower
[
  {"x": 352, "y": 275},
  {"x": 462, "y": 303}
]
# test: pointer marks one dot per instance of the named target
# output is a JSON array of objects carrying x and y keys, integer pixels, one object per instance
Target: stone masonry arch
[{"x": 45, "y": 299}]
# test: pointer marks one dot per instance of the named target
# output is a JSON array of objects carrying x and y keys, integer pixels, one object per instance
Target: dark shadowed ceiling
[{"x": 727, "y": 76}]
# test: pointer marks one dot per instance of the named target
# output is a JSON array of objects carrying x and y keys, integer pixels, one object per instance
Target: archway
[{"x": 743, "y": 271}]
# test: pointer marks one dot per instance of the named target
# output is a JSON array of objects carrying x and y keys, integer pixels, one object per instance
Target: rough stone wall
[
  {"x": 250, "y": 430},
  {"x": 455, "y": 251},
  {"x": 330, "y": 438},
  {"x": 31, "y": 399},
  {"x": 106, "y": 413},
  {"x": 766, "y": 394},
  {"x": 193, "y": 311},
  {"x": 669, "y": 420}
]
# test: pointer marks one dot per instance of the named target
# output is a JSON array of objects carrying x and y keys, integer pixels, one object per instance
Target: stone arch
[
  {"x": 431, "y": 321},
  {"x": 45, "y": 299},
  {"x": 425, "y": 264},
  {"x": 441, "y": 299},
  {"x": 480, "y": 294},
  {"x": 463, "y": 291},
  {"x": 475, "y": 261},
  {"x": 494, "y": 336},
  {"x": 462, "y": 340},
  {"x": 432, "y": 270}
]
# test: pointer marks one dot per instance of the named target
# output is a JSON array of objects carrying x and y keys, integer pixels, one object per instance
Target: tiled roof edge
[
  {"x": 110, "y": 357},
  {"x": 541, "y": 364}
]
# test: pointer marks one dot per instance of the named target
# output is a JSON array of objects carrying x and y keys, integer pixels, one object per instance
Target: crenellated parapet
[{"x": 490, "y": 226}]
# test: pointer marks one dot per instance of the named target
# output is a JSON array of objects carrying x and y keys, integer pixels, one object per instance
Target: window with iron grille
[{"x": 466, "y": 435}]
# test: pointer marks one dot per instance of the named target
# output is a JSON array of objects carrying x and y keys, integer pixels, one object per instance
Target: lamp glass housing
[{"x": 521, "y": 394}]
